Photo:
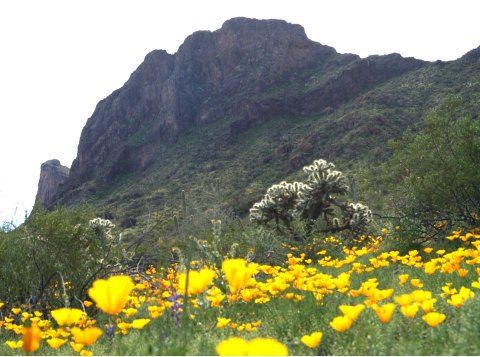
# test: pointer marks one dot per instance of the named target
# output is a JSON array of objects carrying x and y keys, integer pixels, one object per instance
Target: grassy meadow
[{"x": 324, "y": 298}]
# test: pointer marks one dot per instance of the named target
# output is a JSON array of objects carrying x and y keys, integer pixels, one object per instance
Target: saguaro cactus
[{"x": 311, "y": 201}]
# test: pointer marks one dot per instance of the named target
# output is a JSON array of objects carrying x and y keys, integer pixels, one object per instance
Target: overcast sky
[{"x": 58, "y": 59}]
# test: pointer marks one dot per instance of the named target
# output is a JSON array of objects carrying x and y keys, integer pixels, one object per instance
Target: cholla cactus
[
  {"x": 358, "y": 214},
  {"x": 314, "y": 199},
  {"x": 278, "y": 203},
  {"x": 103, "y": 227}
]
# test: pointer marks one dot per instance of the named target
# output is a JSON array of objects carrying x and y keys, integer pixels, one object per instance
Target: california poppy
[
  {"x": 31, "y": 338},
  {"x": 384, "y": 312},
  {"x": 111, "y": 295},
  {"x": 341, "y": 323},
  {"x": 56, "y": 343},
  {"x": 312, "y": 340},
  {"x": 67, "y": 317},
  {"x": 433, "y": 319},
  {"x": 238, "y": 273},
  {"x": 352, "y": 312},
  {"x": 198, "y": 281},
  {"x": 86, "y": 336}
]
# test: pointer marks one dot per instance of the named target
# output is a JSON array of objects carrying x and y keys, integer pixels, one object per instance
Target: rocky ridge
[
  {"x": 245, "y": 76},
  {"x": 216, "y": 75}
]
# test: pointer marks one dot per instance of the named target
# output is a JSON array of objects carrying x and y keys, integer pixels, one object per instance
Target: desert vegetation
[{"x": 382, "y": 261}]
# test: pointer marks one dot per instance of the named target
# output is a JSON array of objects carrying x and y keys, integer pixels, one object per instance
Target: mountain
[{"x": 243, "y": 107}]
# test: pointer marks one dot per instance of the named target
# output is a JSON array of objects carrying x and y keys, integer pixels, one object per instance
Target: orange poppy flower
[
  {"x": 31, "y": 338},
  {"x": 86, "y": 336}
]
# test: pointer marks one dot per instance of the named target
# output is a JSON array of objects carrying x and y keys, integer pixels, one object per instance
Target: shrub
[
  {"x": 58, "y": 254},
  {"x": 435, "y": 173}
]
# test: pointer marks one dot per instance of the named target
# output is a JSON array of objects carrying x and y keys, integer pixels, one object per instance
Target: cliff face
[
  {"x": 52, "y": 175},
  {"x": 245, "y": 70}
]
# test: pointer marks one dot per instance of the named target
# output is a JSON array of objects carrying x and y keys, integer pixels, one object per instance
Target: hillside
[{"x": 240, "y": 108}]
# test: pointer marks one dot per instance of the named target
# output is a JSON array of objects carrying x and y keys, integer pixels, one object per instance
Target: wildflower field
[{"x": 362, "y": 300}]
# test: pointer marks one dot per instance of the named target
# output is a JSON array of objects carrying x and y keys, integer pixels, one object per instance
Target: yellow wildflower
[
  {"x": 421, "y": 295},
  {"x": 67, "y": 317},
  {"x": 129, "y": 312},
  {"x": 14, "y": 344},
  {"x": 409, "y": 310},
  {"x": 403, "y": 300},
  {"x": 417, "y": 283},
  {"x": 312, "y": 340},
  {"x": 403, "y": 279},
  {"x": 384, "y": 312},
  {"x": 56, "y": 343},
  {"x": 77, "y": 347},
  {"x": 352, "y": 312},
  {"x": 86, "y": 336},
  {"x": 427, "y": 305},
  {"x": 140, "y": 323},
  {"x": 87, "y": 303},
  {"x": 111, "y": 295},
  {"x": 266, "y": 347},
  {"x": 198, "y": 281},
  {"x": 433, "y": 319},
  {"x": 341, "y": 323},
  {"x": 237, "y": 273},
  {"x": 462, "y": 272},
  {"x": 235, "y": 346}
]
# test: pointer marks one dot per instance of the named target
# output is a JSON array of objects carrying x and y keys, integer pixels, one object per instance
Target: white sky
[{"x": 59, "y": 58}]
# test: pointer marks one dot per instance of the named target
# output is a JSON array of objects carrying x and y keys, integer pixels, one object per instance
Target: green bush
[
  {"x": 54, "y": 256},
  {"x": 434, "y": 174}
]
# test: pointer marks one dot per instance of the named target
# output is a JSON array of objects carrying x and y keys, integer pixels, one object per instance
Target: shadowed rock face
[
  {"x": 244, "y": 70},
  {"x": 52, "y": 175}
]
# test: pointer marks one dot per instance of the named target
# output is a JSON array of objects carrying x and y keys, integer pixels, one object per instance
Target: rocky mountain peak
[{"x": 248, "y": 71}]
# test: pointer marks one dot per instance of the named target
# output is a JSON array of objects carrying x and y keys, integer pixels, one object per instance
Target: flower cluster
[{"x": 133, "y": 302}]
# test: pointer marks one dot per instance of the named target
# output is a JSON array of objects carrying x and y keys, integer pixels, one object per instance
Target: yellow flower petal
[
  {"x": 56, "y": 343},
  {"x": 67, "y": 317},
  {"x": 86, "y": 336},
  {"x": 352, "y": 312},
  {"x": 140, "y": 323},
  {"x": 266, "y": 347},
  {"x": 384, "y": 312},
  {"x": 341, "y": 323},
  {"x": 238, "y": 273},
  {"x": 234, "y": 346},
  {"x": 111, "y": 295},
  {"x": 433, "y": 319}
]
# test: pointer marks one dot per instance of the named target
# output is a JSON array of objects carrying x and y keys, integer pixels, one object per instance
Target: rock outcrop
[
  {"x": 249, "y": 69},
  {"x": 52, "y": 175}
]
